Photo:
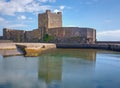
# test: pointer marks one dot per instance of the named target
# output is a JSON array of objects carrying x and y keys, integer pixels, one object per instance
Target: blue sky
[{"x": 103, "y": 15}]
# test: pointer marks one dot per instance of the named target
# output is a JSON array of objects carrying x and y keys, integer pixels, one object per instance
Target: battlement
[
  {"x": 6, "y": 29},
  {"x": 48, "y": 11},
  {"x": 59, "y": 13}
]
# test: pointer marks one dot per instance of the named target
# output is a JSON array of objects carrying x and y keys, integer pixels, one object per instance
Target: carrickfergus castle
[{"x": 50, "y": 30}]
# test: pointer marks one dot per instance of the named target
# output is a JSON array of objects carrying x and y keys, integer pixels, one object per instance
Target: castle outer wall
[
  {"x": 59, "y": 35},
  {"x": 21, "y": 35},
  {"x": 14, "y": 35},
  {"x": 33, "y": 36},
  {"x": 73, "y": 35}
]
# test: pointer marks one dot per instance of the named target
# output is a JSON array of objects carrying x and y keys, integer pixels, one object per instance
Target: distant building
[{"x": 50, "y": 30}]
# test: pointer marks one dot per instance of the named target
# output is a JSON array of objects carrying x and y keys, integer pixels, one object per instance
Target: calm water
[{"x": 62, "y": 68}]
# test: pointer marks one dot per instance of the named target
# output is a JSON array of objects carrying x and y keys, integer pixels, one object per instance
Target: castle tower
[{"x": 49, "y": 20}]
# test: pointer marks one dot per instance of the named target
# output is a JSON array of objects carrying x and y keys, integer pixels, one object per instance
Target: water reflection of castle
[
  {"x": 50, "y": 68},
  {"x": 51, "y": 65}
]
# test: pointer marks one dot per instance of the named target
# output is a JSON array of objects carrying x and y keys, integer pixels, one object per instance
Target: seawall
[{"x": 113, "y": 47}]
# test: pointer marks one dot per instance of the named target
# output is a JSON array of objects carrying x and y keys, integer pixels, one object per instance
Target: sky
[{"x": 102, "y": 15}]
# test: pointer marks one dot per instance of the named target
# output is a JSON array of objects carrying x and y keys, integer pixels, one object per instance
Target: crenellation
[
  {"x": 48, "y": 11},
  {"x": 59, "y": 13}
]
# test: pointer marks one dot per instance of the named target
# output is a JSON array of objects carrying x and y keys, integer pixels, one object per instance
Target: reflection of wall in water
[
  {"x": 50, "y": 68},
  {"x": 87, "y": 54},
  {"x": 79, "y": 68}
]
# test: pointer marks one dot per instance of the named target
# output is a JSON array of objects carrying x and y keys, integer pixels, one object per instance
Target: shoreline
[{"x": 35, "y": 49}]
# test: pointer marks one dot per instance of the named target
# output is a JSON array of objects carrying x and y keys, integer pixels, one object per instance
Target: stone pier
[
  {"x": 35, "y": 49},
  {"x": 27, "y": 49}
]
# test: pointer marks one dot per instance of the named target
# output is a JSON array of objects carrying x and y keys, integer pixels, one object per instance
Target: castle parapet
[
  {"x": 59, "y": 13},
  {"x": 48, "y": 11}
]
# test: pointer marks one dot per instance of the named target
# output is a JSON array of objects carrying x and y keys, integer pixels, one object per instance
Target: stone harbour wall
[{"x": 112, "y": 47}]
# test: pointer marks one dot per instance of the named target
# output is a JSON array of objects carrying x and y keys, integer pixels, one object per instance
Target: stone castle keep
[{"x": 50, "y": 30}]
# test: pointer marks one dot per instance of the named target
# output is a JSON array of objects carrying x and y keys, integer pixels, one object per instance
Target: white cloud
[
  {"x": 56, "y": 10},
  {"x": 4, "y": 23},
  {"x": 16, "y": 25},
  {"x": 22, "y": 17},
  {"x": 13, "y": 6},
  {"x": 47, "y": 1},
  {"x": 112, "y": 35},
  {"x": 62, "y": 7},
  {"x": 43, "y": 0},
  {"x": 2, "y": 19}
]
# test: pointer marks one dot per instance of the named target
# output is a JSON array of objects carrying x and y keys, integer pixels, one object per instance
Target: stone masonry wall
[
  {"x": 50, "y": 20},
  {"x": 59, "y": 35},
  {"x": 33, "y": 36},
  {"x": 54, "y": 20},
  {"x": 22, "y": 36},
  {"x": 72, "y": 35},
  {"x": 42, "y": 20},
  {"x": 15, "y": 35},
  {"x": 91, "y": 35}
]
